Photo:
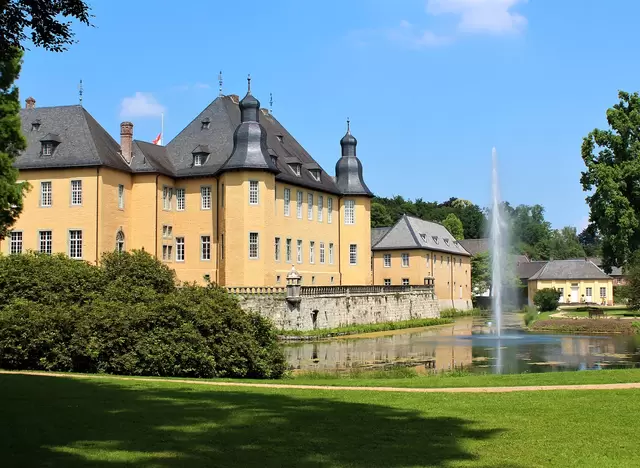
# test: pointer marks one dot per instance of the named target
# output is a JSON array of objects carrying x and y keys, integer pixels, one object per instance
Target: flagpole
[{"x": 162, "y": 131}]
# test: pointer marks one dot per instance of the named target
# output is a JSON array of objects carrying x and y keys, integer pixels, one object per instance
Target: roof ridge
[
  {"x": 387, "y": 233},
  {"x": 413, "y": 234}
]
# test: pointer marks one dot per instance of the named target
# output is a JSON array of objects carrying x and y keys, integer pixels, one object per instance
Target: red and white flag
[{"x": 158, "y": 140}]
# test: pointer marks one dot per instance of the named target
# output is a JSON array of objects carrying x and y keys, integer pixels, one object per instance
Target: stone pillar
[
  {"x": 126, "y": 141},
  {"x": 293, "y": 286}
]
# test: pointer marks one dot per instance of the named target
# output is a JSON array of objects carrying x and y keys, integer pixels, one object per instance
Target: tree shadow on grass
[{"x": 59, "y": 422}]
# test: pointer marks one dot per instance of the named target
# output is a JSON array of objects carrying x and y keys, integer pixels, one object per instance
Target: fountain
[{"x": 497, "y": 237}]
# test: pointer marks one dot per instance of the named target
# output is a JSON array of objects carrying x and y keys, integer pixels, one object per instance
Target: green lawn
[
  {"x": 367, "y": 328},
  {"x": 65, "y": 422}
]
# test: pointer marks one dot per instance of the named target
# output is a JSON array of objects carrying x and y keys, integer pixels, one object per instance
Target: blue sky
[{"x": 430, "y": 85}]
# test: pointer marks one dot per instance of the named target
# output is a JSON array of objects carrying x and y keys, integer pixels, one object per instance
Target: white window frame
[
  {"x": 299, "y": 251},
  {"x": 603, "y": 292},
  {"x": 349, "y": 212},
  {"x": 322, "y": 253},
  {"x": 312, "y": 252},
  {"x": 77, "y": 243},
  {"x": 405, "y": 282},
  {"x": 277, "y": 247},
  {"x": 205, "y": 197},
  {"x": 405, "y": 260},
  {"x": 120, "y": 196},
  {"x": 254, "y": 192},
  {"x": 287, "y": 201},
  {"x": 205, "y": 248},
  {"x": 387, "y": 281},
  {"x": 46, "y": 193},
  {"x": 288, "y": 250},
  {"x": 320, "y": 207},
  {"x": 120, "y": 242},
  {"x": 16, "y": 242},
  {"x": 180, "y": 249},
  {"x": 299, "y": 204},
  {"x": 331, "y": 253},
  {"x": 386, "y": 259},
  {"x": 181, "y": 199},
  {"x": 167, "y": 195},
  {"x": 199, "y": 159},
  {"x": 47, "y": 148},
  {"x": 76, "y": 192},
  {"x": 330, "y": 210},
  {"x": 310, "y": 206},
  {"x": 254, "y": 245},
  {"x": 353, "y": 254},
  {"x": 43, "y": 241},
  {"x": 167, "y": 252}
]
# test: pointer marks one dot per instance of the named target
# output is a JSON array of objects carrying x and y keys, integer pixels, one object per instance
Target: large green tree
[
  {"x": 454, "y": 226},
  {"x": 590, "y": 241},
  {"x": 43, "y": 22},
  {"x": 612, "y": 177},
  {"x": 11, "y": 143},
  {"x": 564, "y": 243}
]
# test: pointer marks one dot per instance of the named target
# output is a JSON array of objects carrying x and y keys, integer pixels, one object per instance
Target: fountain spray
[{"x": 497, "y": 240}]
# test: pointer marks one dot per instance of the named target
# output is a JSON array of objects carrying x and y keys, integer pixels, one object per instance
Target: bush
[
  {"x": 546, "y": 299},
  {"x": 530, "y": 315},
  {"x": 620, "y": 294},
  {"x": 127, "y": 317}
]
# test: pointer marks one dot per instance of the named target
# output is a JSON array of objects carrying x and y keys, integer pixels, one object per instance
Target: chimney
[
  {"x": 126, "y": 141},
  {"x": 31, "y": 103}
]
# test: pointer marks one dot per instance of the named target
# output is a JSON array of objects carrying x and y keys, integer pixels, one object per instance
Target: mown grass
[
  {"x": 588, "y": 326},
  {"x": 367, "y": 328},
  {"x": 111, "y": 422}
]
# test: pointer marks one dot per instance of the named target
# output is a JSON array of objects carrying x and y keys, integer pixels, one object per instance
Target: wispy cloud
[
  {"x": 481, "y": 16},
  {"x": 141, "y": 105},
  {"x": 494, "y": 17}
]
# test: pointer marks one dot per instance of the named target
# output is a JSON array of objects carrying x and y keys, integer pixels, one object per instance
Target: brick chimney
[
  {"x": 31, "y": 103},
  {"x": 126, "y": 141}
]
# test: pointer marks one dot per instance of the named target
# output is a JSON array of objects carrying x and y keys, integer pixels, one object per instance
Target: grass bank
[
  {"x": 453, "y": 313},
  {"x": 593, "y": 326},
  {"x": 113, "y": 422},
  {"x": 359, "y": 329}
]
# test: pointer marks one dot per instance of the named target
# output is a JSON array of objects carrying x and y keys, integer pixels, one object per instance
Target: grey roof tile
[
  {"x": 526, "y": 270},
  {"x": 82, "y": 141},
  {"x": 569, "y": 270},
  {"x": 148, "y": 157},
  {"x": 414, "y": 233},
  {"x": 475, "y": 246},
  {"x": 378, "y": 233}
]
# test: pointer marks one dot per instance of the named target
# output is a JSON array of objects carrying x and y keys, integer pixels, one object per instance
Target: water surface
[{"x": 469, "y": 343}]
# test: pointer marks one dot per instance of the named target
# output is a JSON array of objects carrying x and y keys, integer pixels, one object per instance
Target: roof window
[
  {"x": 199, "y": 159},
  {"x": 446, "y": 241},
  {"x": 315, "y": 173},
  {"x": 295, "y": 167},
  {"x": 206, "y": 123},
  {"x": 35, "y": 125},
  {"x": 435, "y": 239},
  {"x": 47, "y": 148},
  {"x": 423, "y": 237}
]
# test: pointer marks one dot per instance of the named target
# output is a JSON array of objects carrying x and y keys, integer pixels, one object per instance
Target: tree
[
  {"x": 590, "y": 241},
  {"x": 380, "y": 216},
  {"x": 480, "y": 273},
  {"x": 454, "y": 226},
  {"x": 564, "y": 244},
  {"x": 612, "y": 158},
  {"x": 41, "y": 21},
  {"x": 632, "y": 289},
  {"x": 546, "y": 300},
  {"x": 11, "y": 143}
]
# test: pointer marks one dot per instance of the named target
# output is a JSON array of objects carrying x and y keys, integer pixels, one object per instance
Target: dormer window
[
  {"x": 295, "y": 168},
  {"x": 206, "y": 123},
  {"x": 315, "y": 173},
  {"x": 47, "y": 148},
  {"x": 435, "y": 239},
  {"x": 446, "y": 241},
  {"x": 199, "y": 159},
  {"x": 274, "y": 160},
  {"x": 423, "y": 237},
  {"x": 35, "y": 125},
  {"x": 280, "y": 138}
]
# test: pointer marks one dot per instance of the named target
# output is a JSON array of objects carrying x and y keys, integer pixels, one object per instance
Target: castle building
[{"x": 233, "y": 198}]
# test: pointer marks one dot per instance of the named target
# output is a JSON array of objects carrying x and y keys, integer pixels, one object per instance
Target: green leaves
[
  {"x": 612, "y": 159},
  {"x": 546, "y": 300}
]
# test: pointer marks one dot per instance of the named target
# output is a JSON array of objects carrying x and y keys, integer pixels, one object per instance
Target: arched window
[{"x": 120, "y": 242}]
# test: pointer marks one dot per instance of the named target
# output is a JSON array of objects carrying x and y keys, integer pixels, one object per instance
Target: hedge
[{"x": 135, "y": 323}]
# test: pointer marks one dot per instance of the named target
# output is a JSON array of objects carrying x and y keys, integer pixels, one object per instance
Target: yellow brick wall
[
  {"x": 359, "y": 234},
  {"x": 111, "y": 216},
  {"x": 61, "y": 216},
  {"x": 143, "y": 213}
]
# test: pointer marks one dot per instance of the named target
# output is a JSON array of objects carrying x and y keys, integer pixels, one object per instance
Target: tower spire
[
  {"x": 270, "y": 103},
  {"x": 348, "y": 126},
  {"x": 220, "y": 83},
  {"x": 80, "y": 92},
  {"x": 249, "y": 84}
]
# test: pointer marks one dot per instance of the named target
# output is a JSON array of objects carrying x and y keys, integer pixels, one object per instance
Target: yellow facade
[
  {"x": 577, "y": 291},
  {"x": 451, "y": 273},
  {"x": 137, "y": 210}
]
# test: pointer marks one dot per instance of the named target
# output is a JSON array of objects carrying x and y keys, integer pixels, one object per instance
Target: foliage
[
  {"x": 530, "y": 315},
  {"x": 612, "y": 160},
  {"x": 453, "y": 313},
  {"x": 480, "y": 273},
  {"x": 620, "y": 294},
  {"x": 585, "y": 326},
  {"x": 564, "y": 244},
  {"x": 454, "y": 226},
  {"x": 368, "y": 328},
  {"x": 546, "y": 299},
  {"x": 591, "y": 241},
  {"x": 40, "y": 21},
  {"x": 11, "y": 140},
  {"x": 636, "y": 327},
  {"x": 387, "y": 211},
  {"x": 126, "y": 317},
  {"x": 633, "y": 282}
]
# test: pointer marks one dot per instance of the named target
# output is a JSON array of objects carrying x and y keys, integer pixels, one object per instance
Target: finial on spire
[
  {"x": 80, "y": 91},
  {"x": 348, "y": 125},
  {"x": 249, "y": 83},
  {"x": 270, "y": 103},
  {"x": 220, "y": 82}
]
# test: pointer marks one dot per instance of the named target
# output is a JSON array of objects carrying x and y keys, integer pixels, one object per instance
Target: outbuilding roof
[{"x": 581, "y": 269}]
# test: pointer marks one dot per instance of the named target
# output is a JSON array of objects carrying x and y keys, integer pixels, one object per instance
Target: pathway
[{"x": 527, "y": 388}]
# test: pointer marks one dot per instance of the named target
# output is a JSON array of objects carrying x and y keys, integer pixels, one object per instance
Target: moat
[{"x": 469, "y": 344}]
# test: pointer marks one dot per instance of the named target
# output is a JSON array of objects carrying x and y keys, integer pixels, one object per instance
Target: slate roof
[
  {"x": 475, "y": 246},
  {"x": 615, "y": 271},
  {"x": 526, "y": 270},
  {"x": 414, "y": 233},
  {"x": 580, "y": 269},
  {"x": 378, "y": 233},
  {"x": 82, "y": 141}
]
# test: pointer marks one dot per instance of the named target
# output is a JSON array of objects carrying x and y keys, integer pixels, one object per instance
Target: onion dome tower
[{"x": 349, "y": 168}]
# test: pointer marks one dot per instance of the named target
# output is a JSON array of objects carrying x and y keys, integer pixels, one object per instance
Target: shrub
[
  {"x": 138, "y": 268},
  {"x": 546, "y": 299},
  {"x": 530, "y": 315},
  {"x": 636, "y": 327},
  {"x": 48, "y": 279},
  {"x": 620, "y": 294}
]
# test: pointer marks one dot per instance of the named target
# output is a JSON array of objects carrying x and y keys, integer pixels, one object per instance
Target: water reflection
[{"x": 469, "y": 343}]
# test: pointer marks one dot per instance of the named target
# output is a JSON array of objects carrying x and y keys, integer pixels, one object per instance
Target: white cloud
[
  {"x": 140, "y": 105},
  {"x": 408, "y": 35},
  {"x": 478, "y": 16}
]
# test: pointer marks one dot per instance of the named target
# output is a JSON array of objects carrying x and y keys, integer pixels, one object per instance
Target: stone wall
[{"x": 342, "y": 307}]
